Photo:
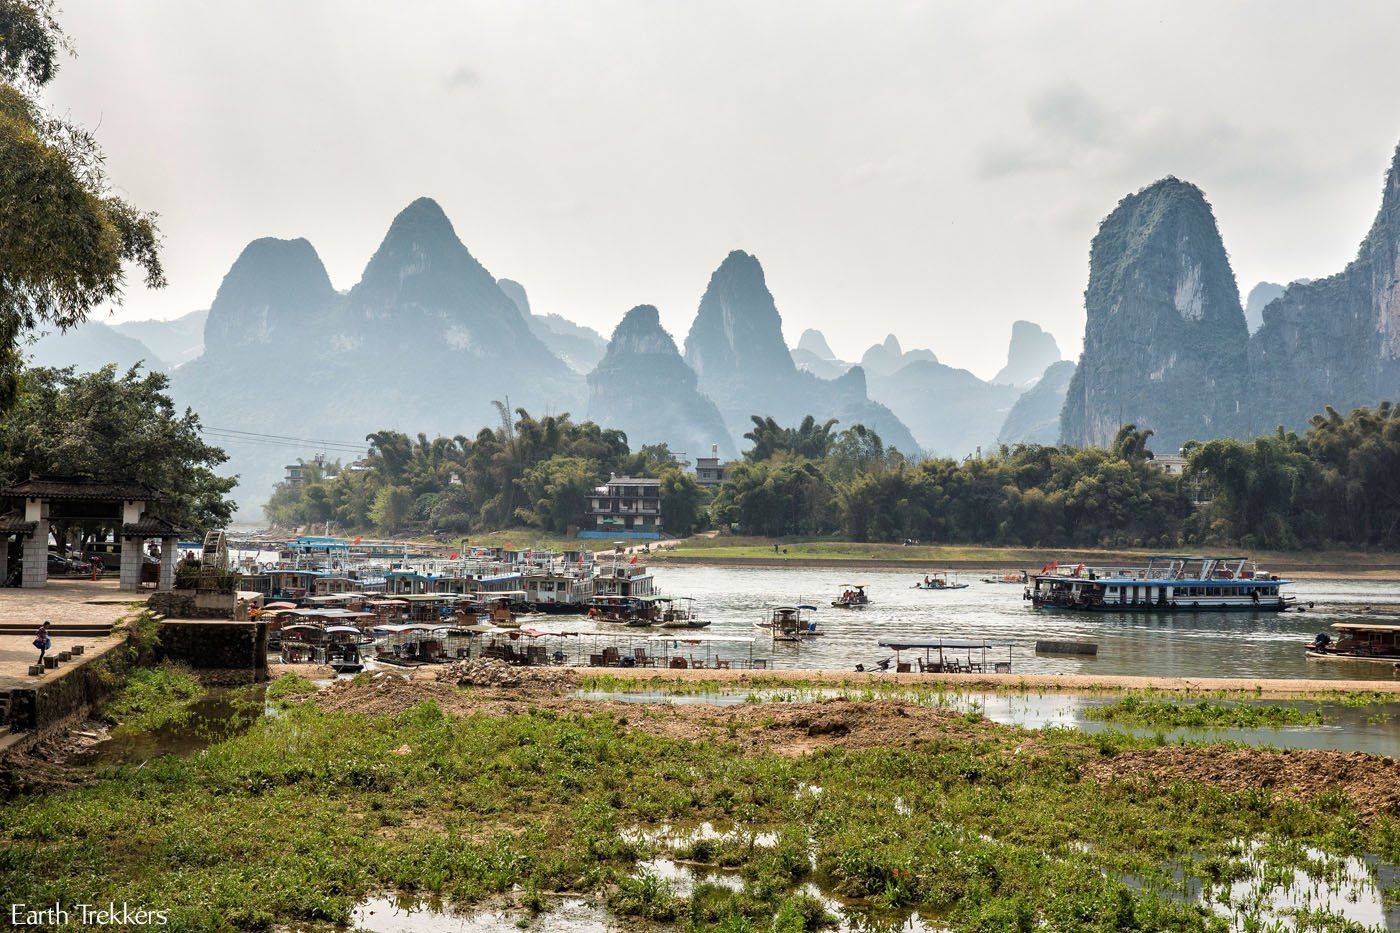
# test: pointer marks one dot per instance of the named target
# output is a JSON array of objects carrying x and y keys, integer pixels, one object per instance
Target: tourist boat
[
  {"x": 939, "y": 581},
  {"x": 679, "y": 612},
  {"x": 499, "y": 608},
  {"x": 1169, "y": 583},
  {"x": 954, "y": 656},
  {"x": 1358, "y": 641},
  {"x": 620, "y": 610},
  {"x": 853, "y": 596},
  {"x": 790, "y": 623}
]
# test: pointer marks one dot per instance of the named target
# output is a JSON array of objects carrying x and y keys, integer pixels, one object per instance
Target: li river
[{"x": 1231, "y": 644}]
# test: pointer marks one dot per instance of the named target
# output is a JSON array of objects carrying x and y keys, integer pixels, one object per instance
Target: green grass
[
  {"x": 298, "y": 818},
  {"x": 933, "y": 556},
  {"x": 154, "y": 697},
  {"x": 1202, "y": 714},
  {"x": 290, "y": 685}
]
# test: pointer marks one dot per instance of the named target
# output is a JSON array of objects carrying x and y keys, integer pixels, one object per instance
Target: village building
[
  {"x": 1172, "y": 466},
  {"x": 709, "y": 471},
  {"x": 626, "y": 507}
]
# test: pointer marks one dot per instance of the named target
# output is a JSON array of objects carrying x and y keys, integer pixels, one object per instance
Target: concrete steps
[{"x": 59, "y": 629}]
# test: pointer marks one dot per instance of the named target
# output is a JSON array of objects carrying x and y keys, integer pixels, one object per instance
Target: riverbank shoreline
[
  {"x": 1375, "y": 570},
  {"x": 1014, "y": 683}
]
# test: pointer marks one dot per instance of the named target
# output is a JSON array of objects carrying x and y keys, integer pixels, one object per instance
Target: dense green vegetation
[
  {"x": 1202, "y": 714},
  {"x": 534, "y": 472},
  {"x": 154, "y": 697},
  {"x": 119, "y": 427},
  {"x": 66, "y": 234},
  {"x": 1336, "y": 484},
  {"x": 304, "y": 814}
]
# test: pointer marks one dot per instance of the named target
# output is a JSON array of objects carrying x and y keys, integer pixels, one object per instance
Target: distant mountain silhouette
[
  {"x": 736, "y": 348},
  {"x": 1030, "y": 352},
  {"x": 1035, "y": 418},
  {"x": 90, "y": 346},
  {"x": 424, "y": 342},
  {"x": 643, "y": 387},
  {"x": 581, "y": 347}
]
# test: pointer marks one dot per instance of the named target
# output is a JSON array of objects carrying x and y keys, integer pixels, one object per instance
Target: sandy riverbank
[{"x": 1069, "y": 683}]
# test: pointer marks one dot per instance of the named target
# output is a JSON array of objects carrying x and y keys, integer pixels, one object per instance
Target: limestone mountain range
[{"x": 428, "y": 339}]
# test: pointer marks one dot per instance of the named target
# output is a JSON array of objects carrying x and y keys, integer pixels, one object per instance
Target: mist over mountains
[{"x": 429, "y": 338}]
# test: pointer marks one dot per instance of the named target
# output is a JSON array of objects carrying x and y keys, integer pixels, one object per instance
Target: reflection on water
[
  {"x": 1271, "y": 885},
  {"x": 219, "y": 714},
  {"x": 1371, "y": 728},
  {"x": 1229, "y": 644},
  {"x": 384, "y": 915}
]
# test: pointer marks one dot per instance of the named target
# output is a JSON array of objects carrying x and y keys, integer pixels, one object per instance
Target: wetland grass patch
[{"x": 296, "y": 820}]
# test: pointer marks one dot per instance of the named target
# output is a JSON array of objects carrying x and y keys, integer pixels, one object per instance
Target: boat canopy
[
  {"x": 1366, "y": 627},
  {"x": 342, "y": 628},
  {"x": 858, "y": 586},
  {"x": 406, "y": 627},
  {"x": 704, "y": 639},
  {"x": 1193, "y": 557},
  {"x": 942, "y": 643}
]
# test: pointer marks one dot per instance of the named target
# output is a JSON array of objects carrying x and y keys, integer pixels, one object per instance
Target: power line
[
  {"x": 289, "y": 445},
  {"x": 286, "y": 437}
]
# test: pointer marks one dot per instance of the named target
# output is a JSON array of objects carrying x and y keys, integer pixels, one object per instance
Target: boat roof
[
  {"x": 1196, "y": 557},
  {"x": 859, "y": 586},
  {"x": 804, "y": 608},
  {"x": 942, "y": 643},
  {"x": 739, "y": 639},
  {"x": 1366, "y": 626},
  {"x": 342, "y": 628}
]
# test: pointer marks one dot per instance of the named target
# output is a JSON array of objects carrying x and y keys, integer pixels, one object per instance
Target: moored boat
[
  {"x": 790, "y": 623},
  {"x": 1358, "y": 641},
  {"x": 679, "y": 612},
  {"x": 1169, "y": 583}
]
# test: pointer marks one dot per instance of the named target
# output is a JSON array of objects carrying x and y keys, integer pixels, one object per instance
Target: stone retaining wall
[
  {"x": 53, "y": 701},
  {"x": 237, "y": 650}
]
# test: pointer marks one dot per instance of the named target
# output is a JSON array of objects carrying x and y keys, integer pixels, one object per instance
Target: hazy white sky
[{"x": 935, "y": 170}]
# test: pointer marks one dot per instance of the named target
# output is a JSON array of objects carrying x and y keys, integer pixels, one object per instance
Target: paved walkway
[{"x": 82, "y": 601}]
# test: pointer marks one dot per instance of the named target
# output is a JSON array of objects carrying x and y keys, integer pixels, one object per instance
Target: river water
[{"x": 1229, "y": 644}]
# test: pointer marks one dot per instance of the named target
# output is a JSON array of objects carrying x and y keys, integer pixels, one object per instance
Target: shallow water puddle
[
  {"x": 567, "y": 915},
  {"x": 674, "y": 837},
  {"x": 218, "y": 715},
  {"x": 1274, "y": 892}
]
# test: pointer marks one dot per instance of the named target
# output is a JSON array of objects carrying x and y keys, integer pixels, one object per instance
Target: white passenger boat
[{"x": 1169, "y": 583}]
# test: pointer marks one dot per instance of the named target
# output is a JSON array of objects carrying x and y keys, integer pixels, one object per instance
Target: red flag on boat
[
  {"x": 454, "y": 556},
  {"x": 356, "y": 541},
  {"x": 1078, "y": 569},
  {"x": 633, "y": 560}
]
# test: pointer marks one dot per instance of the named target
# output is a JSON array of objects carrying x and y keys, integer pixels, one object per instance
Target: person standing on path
[{"x": 42, "y": 641}]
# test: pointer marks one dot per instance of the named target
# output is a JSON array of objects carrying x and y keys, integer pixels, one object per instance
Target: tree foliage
[
  {"x": 537, "y": 471},
  {"x": 118, "y": 426},
  {"x": 65, "y": 236}
]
